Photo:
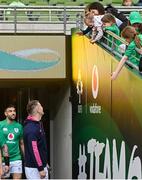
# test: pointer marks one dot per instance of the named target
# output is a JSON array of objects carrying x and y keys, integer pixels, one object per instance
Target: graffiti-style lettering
[{"x": 114, "y": 167}]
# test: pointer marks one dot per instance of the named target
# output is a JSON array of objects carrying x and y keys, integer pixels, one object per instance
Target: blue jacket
[{"x": 35, "y": 145}]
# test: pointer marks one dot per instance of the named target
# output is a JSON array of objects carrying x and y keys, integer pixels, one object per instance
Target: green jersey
[
  {"x": 13, "y": 133},
  {"x": 131, "y": 52},
  {"x": 114, "y": 28},
  {"x": 2, "y": 139}
]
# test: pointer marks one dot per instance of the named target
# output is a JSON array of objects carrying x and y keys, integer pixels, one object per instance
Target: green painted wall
[{"x": 106, "y": 115}]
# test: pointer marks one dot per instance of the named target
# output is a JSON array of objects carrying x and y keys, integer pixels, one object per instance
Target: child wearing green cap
[
  {"x": 134, "y": 41},
  {"x": 135, "y": 20}
]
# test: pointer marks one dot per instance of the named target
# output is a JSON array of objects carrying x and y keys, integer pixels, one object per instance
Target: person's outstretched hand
[
  {"x": 80, "y": 33},
  {"x": 113, "y": 76}
]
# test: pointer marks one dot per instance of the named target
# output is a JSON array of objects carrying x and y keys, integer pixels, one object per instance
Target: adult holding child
[{"x": 93, "y": 14}]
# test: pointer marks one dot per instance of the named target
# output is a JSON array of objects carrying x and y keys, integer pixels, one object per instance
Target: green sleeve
[
  {"x": 2, "y": 140},
  {"x": 130, "y": 50},
  {"x": 113, "y": 29},
  {"x": 110, "y": 28}
]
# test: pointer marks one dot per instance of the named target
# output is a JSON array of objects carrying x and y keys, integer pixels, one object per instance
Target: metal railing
[
  {"x": 49, "y": 19},
  {"x": 31, "y": 19},
  {"x": 114, "y": 48}
]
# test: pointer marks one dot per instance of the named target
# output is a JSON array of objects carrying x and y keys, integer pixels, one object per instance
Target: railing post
[
  {"x": 65, "y": 20},
  {"x": 50, "y": 14},
  {"x": 79, "y": 21},
  {"x": 15, "y": 20}
]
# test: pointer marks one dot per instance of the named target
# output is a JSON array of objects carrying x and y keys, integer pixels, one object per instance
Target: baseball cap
[{"x": 135, "y": 17}]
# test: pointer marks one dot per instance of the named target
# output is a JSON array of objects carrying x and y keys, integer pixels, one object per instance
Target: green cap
[{"x": 135, "y": 17}]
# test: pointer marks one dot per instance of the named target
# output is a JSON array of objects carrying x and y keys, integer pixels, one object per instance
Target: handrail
[
  {"x": 114, "y": 48},
  {"x": 116, "y": 37},
  {"x": 49, "y": 19}
]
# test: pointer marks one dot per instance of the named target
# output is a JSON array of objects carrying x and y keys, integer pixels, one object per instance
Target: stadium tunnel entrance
[{"x": 57, "y": 120}]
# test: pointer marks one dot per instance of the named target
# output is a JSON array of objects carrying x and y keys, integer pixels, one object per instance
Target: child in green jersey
[
  {"x": 134, "y": 41},
  {"x": 135, "y": 20},
  {"x": 109, "y": 24}
]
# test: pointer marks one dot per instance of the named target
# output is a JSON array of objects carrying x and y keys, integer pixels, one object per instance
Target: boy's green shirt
[
  {"x": 2, "y": 140},
  {"x": 114, "y": 28},
  {"x": 131, "y": 52}
]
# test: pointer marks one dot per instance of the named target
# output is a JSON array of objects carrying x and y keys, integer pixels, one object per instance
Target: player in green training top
[
  {"x": 13, "y": 133},
  {"x": 4, "y": 149}
]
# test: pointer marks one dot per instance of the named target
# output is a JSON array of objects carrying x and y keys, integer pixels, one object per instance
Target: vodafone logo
[
  {"x": 10, "y": 136},
  {"x": 95, "y": 82}
]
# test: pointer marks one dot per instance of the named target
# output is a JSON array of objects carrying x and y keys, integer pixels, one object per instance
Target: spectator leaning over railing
[
  {"x": 88, "y": 20},
  {"x": 109, "y": 24},
  {"x": 135, "y": 20},
  {"x": 134, "y": 41},
  {"x": 119, "y": 15},
  {"x": 95, "y": 10},
  {"x": 98, "y": 12}
]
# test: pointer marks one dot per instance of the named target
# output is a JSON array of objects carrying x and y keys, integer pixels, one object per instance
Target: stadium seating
[{"x": 59, "y": 2}]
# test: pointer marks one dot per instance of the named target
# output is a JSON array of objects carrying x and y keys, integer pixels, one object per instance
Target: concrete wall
[{"x": 61, "y": 129}]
